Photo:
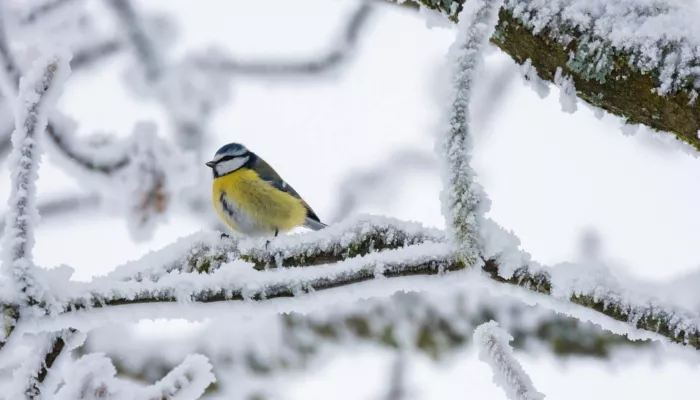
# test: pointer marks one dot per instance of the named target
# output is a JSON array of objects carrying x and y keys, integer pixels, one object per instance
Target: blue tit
[{"x": 251, "y": 198}]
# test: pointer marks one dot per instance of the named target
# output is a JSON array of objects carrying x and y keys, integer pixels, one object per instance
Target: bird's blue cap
[{"x": 231, "y": 148}]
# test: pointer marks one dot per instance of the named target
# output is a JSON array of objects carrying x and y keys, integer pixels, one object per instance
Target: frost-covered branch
[
  {"x": 225, "y": 284},
  {"x": 38, "y": 92},
  {"x": 495, "y": 350},
  {"x": 237, "y": 281},
  {"x": 335, "y": 57},
  {"x": 27, "y": 379},
  {"x": 635, "y": 59},
  {"x": 206, "y": 251},
  {"x": 94, "y": 377},
  {"x": 463, "y": 200}
]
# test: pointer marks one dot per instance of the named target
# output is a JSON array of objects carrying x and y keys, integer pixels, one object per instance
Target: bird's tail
[{"x": 313, "y": 224}]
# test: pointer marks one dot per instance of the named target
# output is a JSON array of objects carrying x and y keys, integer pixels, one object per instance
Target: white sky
[{"x": 549, "y": 174}]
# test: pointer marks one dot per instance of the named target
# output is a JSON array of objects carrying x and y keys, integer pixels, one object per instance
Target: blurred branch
[
  {"x": 10, "y": 81},
  {"x": 44, "y": 10},
  {"x": 93, "y": 377},
  {"x": 140, "y": 41},
  {"x": 397, "y": 379},
  {"x": 653, "y": 85},
  {"x": 340, "y": 53},
  {"x": 89, "y": 55},
  {"x": 433, "y": 323},
  {"x": 375, "y": 182},
  {"x": 63, "y": 205}
]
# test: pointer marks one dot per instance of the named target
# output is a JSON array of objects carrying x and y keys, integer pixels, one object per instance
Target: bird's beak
[{"x": 210, "y": 164}]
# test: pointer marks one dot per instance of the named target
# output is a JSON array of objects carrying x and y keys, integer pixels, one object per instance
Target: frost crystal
[
  {"x": 567, "y": 91},
  {"x": 464, "y": 202},
  {"x": 495, "y": 350},
  {"x": 533, "y": 80}
]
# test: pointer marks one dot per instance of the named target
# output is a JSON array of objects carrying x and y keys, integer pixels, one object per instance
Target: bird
[{"x": 252, "y": 199}]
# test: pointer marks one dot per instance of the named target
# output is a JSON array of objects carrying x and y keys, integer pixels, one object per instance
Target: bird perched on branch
[{"x": 251, "y": 198}]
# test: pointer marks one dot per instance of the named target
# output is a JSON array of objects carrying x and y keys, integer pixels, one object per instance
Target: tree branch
[
  {"x": 36, "y": 96},
  {"x": 644, "y": 77},
  {"x": 227, "y": 284},
  {"x": 62, "y": 205},
  {"x": 332, "y": 59}
]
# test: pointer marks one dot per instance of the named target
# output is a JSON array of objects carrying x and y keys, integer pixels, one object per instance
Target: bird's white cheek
[{"x": 228, "y": 166}]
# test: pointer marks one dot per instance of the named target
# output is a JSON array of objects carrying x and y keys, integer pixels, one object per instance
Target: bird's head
[{"x": 229, "y": 158}]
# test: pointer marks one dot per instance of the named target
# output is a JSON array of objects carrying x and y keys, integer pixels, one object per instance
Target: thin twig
[{"x": 339, "y": 54}]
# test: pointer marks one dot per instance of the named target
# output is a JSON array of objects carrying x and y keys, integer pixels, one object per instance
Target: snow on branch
[
  {"x": 27, "y": 379},
  {"x": 94, "y": 377},
  {"x": 495, "y": 350},
  {"x": 237, "y": 281},
  {"x": 206, "y": 268},
  {"x": 230, "y": 284},
  {"x": 463, "y": 199},
  {"x": 206, "y": 251},
  {"x": 339, "y": 53},
  {"x": 649, "y": 49},
  {"x": 353, "y": 237},
  {"x": 38, "y": 92}
]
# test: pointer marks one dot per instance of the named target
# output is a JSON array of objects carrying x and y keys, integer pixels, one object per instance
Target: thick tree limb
[{"x": 622, "y": 81}]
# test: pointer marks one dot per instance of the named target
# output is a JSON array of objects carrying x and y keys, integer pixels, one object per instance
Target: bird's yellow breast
[{"x": 253, "y": 205}]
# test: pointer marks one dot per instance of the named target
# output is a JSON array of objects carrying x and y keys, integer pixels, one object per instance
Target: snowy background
[{"x": 554, "y": 178}]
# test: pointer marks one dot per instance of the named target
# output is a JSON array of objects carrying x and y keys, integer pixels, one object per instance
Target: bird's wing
[{"x": 269, "y": 175}]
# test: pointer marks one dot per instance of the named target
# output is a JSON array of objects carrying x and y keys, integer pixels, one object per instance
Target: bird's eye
[{"x": 225, "y": 158}]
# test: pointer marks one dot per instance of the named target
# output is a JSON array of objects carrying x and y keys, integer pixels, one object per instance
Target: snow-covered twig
[
  {"x": 187, "y": 381},
  {"x": 27, "y": 379},
  {"x": 94, "y": 377},
  {"x": 37, "y": 94},
  {"x": 463, "y": 199},
  {"x": 495, "y": 350},
  {"x": 340, "y": 52}
]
